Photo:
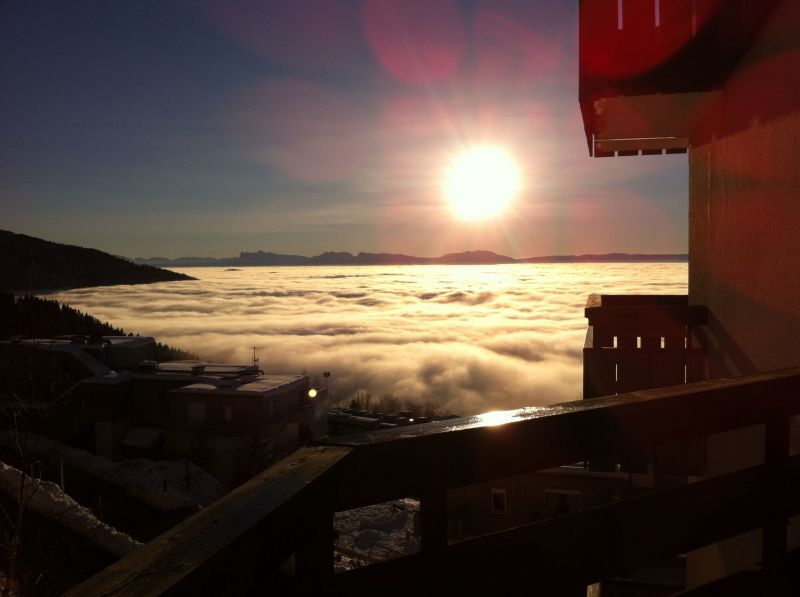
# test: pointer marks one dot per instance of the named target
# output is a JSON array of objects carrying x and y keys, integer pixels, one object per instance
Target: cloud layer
[{"x": 471, "y": 339}]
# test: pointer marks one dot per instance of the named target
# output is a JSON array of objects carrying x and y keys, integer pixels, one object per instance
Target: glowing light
[
  {"x": 312, "y": 393},
  {"x": 497, "y": 417},
  {"x": 482, "y": 182}
]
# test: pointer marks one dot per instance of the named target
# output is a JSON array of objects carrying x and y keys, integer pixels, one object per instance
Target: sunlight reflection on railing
[{"x": 497, "y": 417}]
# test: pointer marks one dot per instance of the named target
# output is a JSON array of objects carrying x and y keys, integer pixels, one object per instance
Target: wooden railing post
[
  {"x": 314, "y": 562},
  {"x": 776, "y": 465},
  {"x": 433, "y": 520}
]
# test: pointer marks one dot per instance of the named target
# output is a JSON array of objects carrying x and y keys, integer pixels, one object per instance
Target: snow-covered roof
[
  {"x": 77, "y": 347},
  {"x": 263, "y": 386},
  {"x": 187, "y": 367},
  {"x": 89, "y": 341}
]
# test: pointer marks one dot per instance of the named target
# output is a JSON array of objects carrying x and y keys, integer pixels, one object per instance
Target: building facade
[
  {"x": 720, "y": 81},
  {"x": 108, "y": 396}
]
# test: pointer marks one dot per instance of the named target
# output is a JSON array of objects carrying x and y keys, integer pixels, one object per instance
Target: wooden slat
[
  {"x": 627, "y": 339},
  {"x": 668, "y": 368},
  {"x": 260, "y": 521},
  {"x": 695, "y": 365},
  {"x": 676, "y": 341},
  {"x": 651, "y": 342},
  {"x": 634, "y": 371}
]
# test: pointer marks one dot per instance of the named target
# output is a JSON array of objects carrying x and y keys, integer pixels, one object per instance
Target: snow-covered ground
[
  {"x": 164, "y": 485},
  {"x": 47, "y": 500},
  {"x": 375, "y": 533}
]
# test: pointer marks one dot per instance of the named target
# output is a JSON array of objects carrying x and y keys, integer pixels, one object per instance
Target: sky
[{"x": 206, "y": 128}]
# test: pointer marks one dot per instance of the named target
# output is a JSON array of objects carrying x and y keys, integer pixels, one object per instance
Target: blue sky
[{"x": 206, "y": 128}]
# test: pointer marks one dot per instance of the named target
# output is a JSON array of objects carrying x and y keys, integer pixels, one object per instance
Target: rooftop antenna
[{"x": 255, "y": 357}]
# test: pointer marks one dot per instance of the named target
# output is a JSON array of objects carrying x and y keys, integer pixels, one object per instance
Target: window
[
  {"x": 558, "y": 502},
  {"x": 498, "y": 501}
]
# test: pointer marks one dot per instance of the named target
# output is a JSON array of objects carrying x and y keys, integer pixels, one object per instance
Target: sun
[{"x": 481, "y": 182}]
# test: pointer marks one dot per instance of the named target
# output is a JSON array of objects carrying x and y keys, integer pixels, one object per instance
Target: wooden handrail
[
  {"x": 282, "y": 510},
  {"x": 643, "y": 312},
  {"x": 637, "y": 300}
]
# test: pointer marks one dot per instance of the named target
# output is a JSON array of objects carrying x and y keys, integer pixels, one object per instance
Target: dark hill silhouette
[
  {"x": 34, "y": 317},
  {"x": 29, "y": 263}
]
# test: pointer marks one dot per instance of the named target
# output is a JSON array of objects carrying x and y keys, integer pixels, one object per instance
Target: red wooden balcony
[
  {"x": 637, "y": 342},
  {"x": 650, "y": 69}
]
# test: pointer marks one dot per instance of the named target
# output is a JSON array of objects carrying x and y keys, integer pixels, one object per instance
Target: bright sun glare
[{"x": 481, "y": 182}]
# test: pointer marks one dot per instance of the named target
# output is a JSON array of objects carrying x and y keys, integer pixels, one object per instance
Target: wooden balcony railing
[
  {"x": 234, "y": 545},
  {"x": 636, "y": 342}
]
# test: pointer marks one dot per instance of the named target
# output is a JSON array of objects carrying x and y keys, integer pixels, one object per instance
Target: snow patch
[
  {"x": 47, "y": 500},
  {"x": 375, "y": 533},
  {"x": 163, "y": 485}
]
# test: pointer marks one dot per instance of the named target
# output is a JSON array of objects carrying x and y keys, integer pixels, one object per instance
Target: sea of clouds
[{"x": 470, "y": 339}]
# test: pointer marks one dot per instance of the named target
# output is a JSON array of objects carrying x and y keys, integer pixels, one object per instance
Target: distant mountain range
[
  {"x": 28, "y": 263},
  {"x": 343, "y": 258}
]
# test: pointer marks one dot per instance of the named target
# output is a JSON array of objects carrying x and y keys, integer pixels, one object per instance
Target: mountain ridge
[{"x": 477, "y": 257}]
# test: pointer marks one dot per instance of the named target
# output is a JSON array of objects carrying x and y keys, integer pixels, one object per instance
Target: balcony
[
  {"x": 236, "y": 545},
  {"x": 637, "y": 342},
  {"x": 650, "y": 70}
]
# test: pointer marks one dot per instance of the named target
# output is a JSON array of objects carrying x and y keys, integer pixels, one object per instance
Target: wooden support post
[
  {"x": 314, "y": 562},
  {"x": 776, "y": 463},
  {"x": 433, "y": 519},
  {"x": 599, "y": 372}
]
